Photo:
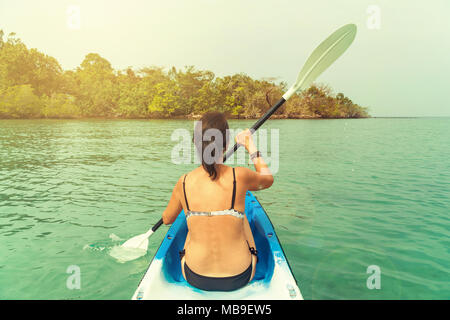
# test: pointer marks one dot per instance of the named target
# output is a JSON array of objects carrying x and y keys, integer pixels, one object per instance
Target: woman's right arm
[
  {"x": 262, "y": 178},
  {"x": 174, "y": 206}
]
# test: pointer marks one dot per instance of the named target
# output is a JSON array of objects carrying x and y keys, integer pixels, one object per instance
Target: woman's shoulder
[
  {"x": 182, "y": 179},
  {"x": 194, "y": 171},
  {"x": 188, "y": 174},
  {"x": 241, "y": 172}
]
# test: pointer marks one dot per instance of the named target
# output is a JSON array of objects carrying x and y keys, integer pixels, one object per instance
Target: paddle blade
[
  {"x": 137, "y": 242},
  {"x": 322, "y": 57},
  {"x": 124, "y": 254},
  {"x": 132, "y": 249}
]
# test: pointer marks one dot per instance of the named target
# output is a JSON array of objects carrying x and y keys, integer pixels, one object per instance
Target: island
[{"x": 33, "y": 85}]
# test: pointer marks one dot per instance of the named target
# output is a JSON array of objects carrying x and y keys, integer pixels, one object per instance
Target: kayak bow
[{"x": 273, "y": 277}]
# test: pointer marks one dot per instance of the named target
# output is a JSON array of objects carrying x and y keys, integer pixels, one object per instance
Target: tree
[
  {"x": 19, "y": 66},
  {"x": 1, "y": 38},
  {"x": 98, "y": 93},
  {"x": 167, "y": 101},
  {"x": 190, "y": 82},
  {"x": 60, "y": 105},
  {"x": 19, "y": 102}
]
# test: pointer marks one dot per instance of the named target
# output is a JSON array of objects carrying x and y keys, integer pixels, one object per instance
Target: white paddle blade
[
  {"x": 137, "y": 242},
  {"x": 322, "y": 57},
  {"x": 124, "y": 254},
  {"x": 132, "y": 249}
]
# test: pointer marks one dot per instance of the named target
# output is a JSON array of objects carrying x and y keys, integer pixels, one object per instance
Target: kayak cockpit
[{"x": 177, "y": 235}]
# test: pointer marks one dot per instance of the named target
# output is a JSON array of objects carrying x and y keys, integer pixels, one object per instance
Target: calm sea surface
[{"x": 348, "y": 195}]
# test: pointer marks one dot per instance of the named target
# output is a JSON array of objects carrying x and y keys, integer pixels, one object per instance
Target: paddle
[
  {"x": 141, "y": 241},
  {"x": 321, "y": 58}
]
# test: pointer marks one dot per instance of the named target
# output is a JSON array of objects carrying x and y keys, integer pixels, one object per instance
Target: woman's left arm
[{"x": 174, "y": 206}]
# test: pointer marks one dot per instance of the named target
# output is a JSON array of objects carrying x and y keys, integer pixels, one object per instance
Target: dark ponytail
[{"x": 212, "y": 125}]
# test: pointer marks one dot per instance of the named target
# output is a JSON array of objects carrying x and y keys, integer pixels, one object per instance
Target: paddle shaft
[
  {"x": 255, "y": 127},
  {"x": 157, "y": 225}
]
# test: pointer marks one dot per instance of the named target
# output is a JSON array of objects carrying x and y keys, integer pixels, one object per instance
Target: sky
[{"x": 397, "y": 66}]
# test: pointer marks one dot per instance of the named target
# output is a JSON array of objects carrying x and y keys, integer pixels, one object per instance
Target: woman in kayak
[{"x": 219, "y": 252}]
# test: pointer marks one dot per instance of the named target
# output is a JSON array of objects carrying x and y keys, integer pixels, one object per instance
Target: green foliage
[
  {"x": 166, "y": 101},
  {"x": 61, "y": 105},
  {"x": 324, "y": 104},
  {"x": 34, "y": 85},
  {"x": 97, "y": 91},
  {"x": 19, "y": 65},
  {"x": 19, "y": 102}
]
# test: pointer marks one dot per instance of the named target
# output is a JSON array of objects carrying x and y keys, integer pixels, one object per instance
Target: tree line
[{"x": 34, "y": 85}]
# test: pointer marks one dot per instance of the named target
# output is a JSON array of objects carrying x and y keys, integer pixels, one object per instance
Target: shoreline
[{"x": 197, "y": 117}]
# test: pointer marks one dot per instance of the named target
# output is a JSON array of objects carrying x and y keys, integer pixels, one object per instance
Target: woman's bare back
[{"x": 216, "y": 246}]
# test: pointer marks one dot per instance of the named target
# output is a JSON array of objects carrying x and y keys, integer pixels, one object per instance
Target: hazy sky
[{"x": 400, "y": 69}]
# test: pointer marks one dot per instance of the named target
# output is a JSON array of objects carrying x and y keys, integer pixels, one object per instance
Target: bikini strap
[
  {"x": 184, "y": 191},
  {"x": 234, "y": 190}
]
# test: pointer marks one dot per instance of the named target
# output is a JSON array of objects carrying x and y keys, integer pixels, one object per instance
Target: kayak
[{"x": 273, "y": 278}]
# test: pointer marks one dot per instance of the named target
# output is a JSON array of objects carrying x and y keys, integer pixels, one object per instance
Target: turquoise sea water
[{"x": 348, "y": 194}]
